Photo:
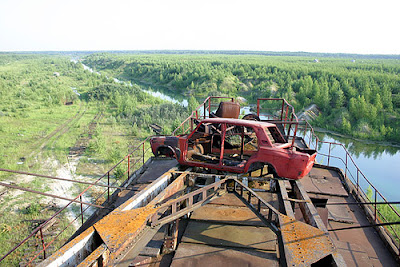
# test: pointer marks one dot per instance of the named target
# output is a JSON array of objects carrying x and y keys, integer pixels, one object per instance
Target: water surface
[{"x": 380, "y": 163}]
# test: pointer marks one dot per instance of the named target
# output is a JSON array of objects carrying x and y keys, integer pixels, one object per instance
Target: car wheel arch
[
  {"x": 255, "y": 166},
  {"x": 163, "y": 150}
]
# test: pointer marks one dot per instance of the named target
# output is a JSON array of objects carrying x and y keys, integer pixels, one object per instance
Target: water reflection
[
  {"x": 163, "y": 93},
  {"x": 361, "y": 148},
  {"x": 380, "y": 163}
]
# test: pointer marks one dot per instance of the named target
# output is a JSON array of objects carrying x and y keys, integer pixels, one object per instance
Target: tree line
[{"x": 358, "y": 97}]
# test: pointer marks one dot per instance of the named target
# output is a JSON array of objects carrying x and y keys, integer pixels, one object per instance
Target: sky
[{"x": 340, "y": 26}]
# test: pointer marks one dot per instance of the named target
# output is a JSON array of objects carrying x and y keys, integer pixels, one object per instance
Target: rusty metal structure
[{"x": 165, "y": 214}]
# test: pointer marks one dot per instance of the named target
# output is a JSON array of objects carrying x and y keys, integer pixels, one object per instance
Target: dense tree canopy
[{"x": 359, "y": 97}]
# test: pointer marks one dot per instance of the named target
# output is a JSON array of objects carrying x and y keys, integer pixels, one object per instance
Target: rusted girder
[
  {"x": 287, "y": 207},
  {"x": 125, "y": 229},
  {"x": 301, "y": 244},
  {"x": 119, "y": 228},
  {"x": 192, "y": 200},
  {"x": 206, "y": 175},
  {"x": 270, "y": 217},
  {"x": 302, "y": 240},
  {"x": 304, "y": 244}
]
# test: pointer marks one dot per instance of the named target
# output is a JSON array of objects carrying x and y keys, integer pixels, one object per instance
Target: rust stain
[
  {"x": 304, "y": 243},
  {"x": 121, "y": 226},
  {"x": 235, "y": 213}
]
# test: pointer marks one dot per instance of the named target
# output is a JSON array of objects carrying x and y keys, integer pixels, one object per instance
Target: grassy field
[{"x": 39, "y": 133}]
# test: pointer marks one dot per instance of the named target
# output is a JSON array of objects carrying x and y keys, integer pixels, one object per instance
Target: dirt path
[
  {"x": 52, "y": 166},
  {"x": 67, "y": 189},
  {"x": 83, "y": 141},
  {"x": 62, "y": 129}
]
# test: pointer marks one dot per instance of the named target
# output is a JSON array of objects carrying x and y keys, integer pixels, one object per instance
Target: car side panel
[{"x": 287, "y": 163}]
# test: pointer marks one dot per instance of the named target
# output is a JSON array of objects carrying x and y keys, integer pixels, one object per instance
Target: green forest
[{"x": 357, "y": 97}]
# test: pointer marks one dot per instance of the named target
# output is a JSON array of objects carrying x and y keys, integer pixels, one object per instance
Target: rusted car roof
[{"x": 247, "y": 123}]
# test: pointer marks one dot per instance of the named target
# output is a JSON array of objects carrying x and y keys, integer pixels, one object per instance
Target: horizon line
[{"x": 195, "y": 51}]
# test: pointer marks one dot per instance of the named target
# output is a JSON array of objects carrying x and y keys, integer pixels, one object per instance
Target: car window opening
[
  {"x": 274, "y": 135},
  {"x": 239, "y": 145}
]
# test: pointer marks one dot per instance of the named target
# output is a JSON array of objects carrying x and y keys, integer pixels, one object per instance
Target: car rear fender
[
  {"x": 163, "y": 141},
  {"x": 255, "y": 165},
  {"x": 168, "y": 151}
]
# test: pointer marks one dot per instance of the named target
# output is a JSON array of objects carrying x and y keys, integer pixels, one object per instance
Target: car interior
[{"x": 206, "y": 142}]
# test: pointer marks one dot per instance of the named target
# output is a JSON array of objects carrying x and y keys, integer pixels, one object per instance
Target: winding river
[{"x": 380, "y": 163}]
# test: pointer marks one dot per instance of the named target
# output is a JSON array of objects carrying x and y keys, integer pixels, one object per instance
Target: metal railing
[
  {"x": 133, "y": 161},
  {"x": 203, "y": 111},
  {"x": 352, "y": 172},
  {"x": 285, "y": 116},
  {"x": 273, "y": 110},
  {"x": 280, "y": 112}
]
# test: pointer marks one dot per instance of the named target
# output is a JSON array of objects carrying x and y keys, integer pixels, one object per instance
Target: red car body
[{"x": 237, "y": 146}]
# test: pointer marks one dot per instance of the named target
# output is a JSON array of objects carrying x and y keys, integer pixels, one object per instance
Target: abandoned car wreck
[{"x": 238, "y": 146}]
